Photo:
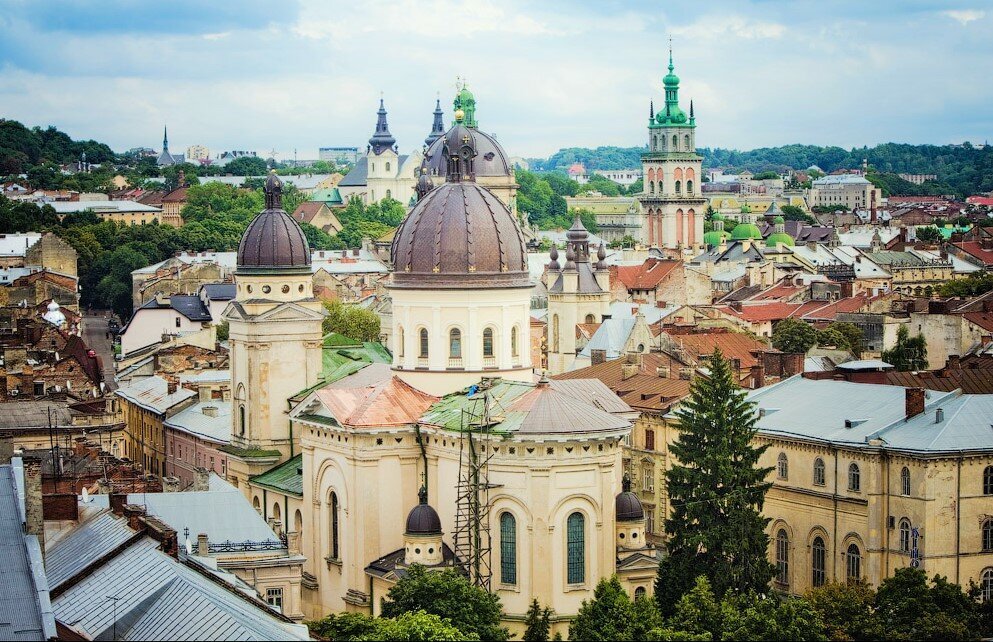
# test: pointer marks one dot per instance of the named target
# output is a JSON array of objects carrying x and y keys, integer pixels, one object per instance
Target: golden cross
[{"x": 466, "y": 139}]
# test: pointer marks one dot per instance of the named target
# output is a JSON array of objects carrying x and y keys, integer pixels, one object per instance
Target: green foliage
[
  {"x": 540, "y": 203},
  {"x": 345, "y": 627},
  {"x": 223, "y": 331},
  {"x": 246, "y": 166},
  {"x": 847, "y": 609},
  {"x": 851, "y": 333},
  {"x": 794, "y": 213},
  {"x": 973, "y": 285},
  {"x": 537, "y": 623},
  {"x": 625, "y": 241},
  {"x": 611, "y": 615},
  {"x": 928, "y": 234},
  {"x": 908, "y": 354},
  {"x": 353, "y": 232},
  {"x": 447, "y": 594},
  {"x": 416, "y": 626},
  {"x": 794, "y": 336},
  {"x": 588, "y": 218},
  {"x": 765, "y": 176},
  {"x": 717, "y": 490},
  {"x": 350, "y": 321},
  {"x": 774, "y": 618},
  {"x": 699, "y": 612}
]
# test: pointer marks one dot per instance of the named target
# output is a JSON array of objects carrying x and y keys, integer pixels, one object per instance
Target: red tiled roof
[
  {"x": 974, "y": 248},
  {"x": 980, "y": 200},
  {"x": 153, "y": 198},
  {"x": 61, "y": 280},
  {"x": 644, "y": 390},
  {"x": 586, "y": 330},
  {"x": 755, "y": 313},
  {"x": 733, "y": 345},
  {"x": 783, "y": 290},
  {"x": 977, "y": 381},
  {"x": 176, "y": 195},
  {"x": 646, "y": 276},
  {"x": 983, "y": 319},
  {"x": 826, "y": 310},
  {"x": 391, "y": 402}
]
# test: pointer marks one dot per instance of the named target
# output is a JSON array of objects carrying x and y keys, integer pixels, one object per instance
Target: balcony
[
  {"x": 489, "y": 362},
  {"x": 455, "y": 363},
  {"x": 422, "y": 362}
]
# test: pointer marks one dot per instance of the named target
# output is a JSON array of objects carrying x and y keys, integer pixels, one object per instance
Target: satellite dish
[
  {"x": 189, "y": 546},
  {"x": 86, "y": 496}
]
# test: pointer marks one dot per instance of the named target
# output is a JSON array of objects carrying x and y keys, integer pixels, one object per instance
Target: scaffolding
[{"x": 473, "y": 543}]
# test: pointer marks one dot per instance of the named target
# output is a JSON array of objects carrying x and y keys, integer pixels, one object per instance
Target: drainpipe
[
  {"x": 834, "y": 534},
  {"x": 424, "y": 455},
  {"x": 958, "y": 520}
]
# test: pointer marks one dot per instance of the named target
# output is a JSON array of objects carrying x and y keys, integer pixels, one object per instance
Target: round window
[
  {"x": 430, "y": 551},
  {"x": 417, "y": 551},
  {"x": 249, "y": 288},
  {"x": 634, "y": 535},
  {"x": 266, "y": 289},
  {"x": 301, "y": 287},
  {"x": 621, "y": 535},
  {"x": 286, "y": 289}
]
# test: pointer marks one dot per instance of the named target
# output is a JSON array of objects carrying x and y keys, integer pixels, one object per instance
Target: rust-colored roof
[
  {"x": 983, "y": 319},
  {"x": 645, "y": 390},
  {"x": 61, "y": 280},
  {"x": 646, "y": 276},
  {"x": 391, "y": 402},
  {"x": 586, "y": 330},
  {"x": 176, "y": 195},
  {"x": 153, "y": 198},
  {"x": 762, "y": 311},
  {"x": 733, "y": 345},
  {"x": 978, "y": 381},
  {"x": 306, "y": 211},
  {"x": 974, "y": 248},
  {"x": 783, "y": 291}
]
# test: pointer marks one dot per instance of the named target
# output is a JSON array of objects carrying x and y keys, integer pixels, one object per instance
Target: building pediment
[{"x": 237, "y": 311}]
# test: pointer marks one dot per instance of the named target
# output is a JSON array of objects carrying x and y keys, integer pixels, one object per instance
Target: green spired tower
[{"x": 671, "y": 202}]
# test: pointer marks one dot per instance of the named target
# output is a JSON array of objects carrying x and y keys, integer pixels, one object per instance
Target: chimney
[
  {"x": 686, "y": 374},
  {"x": 170, "y": 484},
  {"x": 662, "y": 371},
  {"x": 954, "y": 362},
  {"x": 34, "y": 514},
  {"x": 757, "y": 375},
  {"x": 171, "y": 387},
  {"x": 201, "y": 480},
  {"x": 914, "y": 402},
  {"x": 133, "y": 514},
  {"x": 988, "y": 305},
  {"x": 204, "y": 392},
  {"x": 597, "y": 356},
  {"x": 203, "y": 545},
  {"x": 117, "y": 501},
  {"x": 629, "y": 370},
  {"x": 210, "y": 411}
]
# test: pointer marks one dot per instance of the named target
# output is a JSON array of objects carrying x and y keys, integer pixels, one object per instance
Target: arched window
[
  {"x": 333, "y": 543},
  {"x": 675, "y": 142},
  {"x": 818, "y": 562},
  {"x": 905, "y": 481},
  {"x": 389, "y": 193},
  {"x": 986, "y": 585},
  {"x": 555, "y": 333},
  {"x": 455, "y": 344},
  {"x": 400, "y": 341},
  {"x": 387, "y": 169},
  {"x": 782, "y": 557},
  {"x": 988, "y": 534},
  {"x": 508, "y": 549},
  {"x": 686, "y": 141},
  {"x": 651, "y": 187},
  {"x": 689, "y": 188},
  {"x": 256, "y": 504},
  {"x": 590, "y": 318},
  {"x": 904, "y": 535},
  {"x": 853, "y": 563},
  {"x": 639, "y": 592},
  {"x": 488, "y": 342},
  {"x": 576, "y": 549},
  {"x": 818, "y": 472},
  {"x": 424, "y": 344},
  {"x": 678, "y": 189},
  {"x": 276, "y": 513},
  {"x": 298, "y": 523},
  {"x": 655, "y": 144},
  {"x": 513, "y": 342},
  {"x": 854, "y": 477},
  {"x": 783, "y": 466},
  {"x": 988, "y": 480},
  {"x": 241, "y": 419}
]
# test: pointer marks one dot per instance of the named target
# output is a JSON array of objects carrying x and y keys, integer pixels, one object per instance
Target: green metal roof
[
  {"x": 285, "y": 478},
  {"x": 447, "y": 413},
  {"x": 343, "y": 356},
  {"x": 331, "y": 196},
  {"x": 744, "y": 231}
]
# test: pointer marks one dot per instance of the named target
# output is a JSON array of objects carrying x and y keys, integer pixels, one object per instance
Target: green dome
[
  {"x": 717, "y": 217},
  {"x": 744, "y": 231},
  {"x": 714, "y": 238},
  {"x": 671, "y": 80},
  {"x": 779, "y": 237},
  {"x": 779, "y": 220},
  {"x": 745, "y": 208}
]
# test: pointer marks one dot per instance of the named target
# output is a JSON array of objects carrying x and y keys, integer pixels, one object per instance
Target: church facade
[
  {"x": 383, "y": 172},
  {"x": 452, "y": 454},
  {"x": 672, "y": 204}
]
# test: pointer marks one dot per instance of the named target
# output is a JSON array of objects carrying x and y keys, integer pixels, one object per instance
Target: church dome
[
  {"x": 460, "y": 234},
  {"x": 779, "y": 237},
  {"x": 273, "y": 239},
  {"x": 745, "y": 231},
  {"x": 491, "y": 159},
  {"x": 422, "y": 519},
  {"x": 627, "y": 506},
  {"x": 714, "y": 238}
]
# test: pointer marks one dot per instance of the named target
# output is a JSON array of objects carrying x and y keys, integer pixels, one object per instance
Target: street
[{"x": 95, "y": 334}]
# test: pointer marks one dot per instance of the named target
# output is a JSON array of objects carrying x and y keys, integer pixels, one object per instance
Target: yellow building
[
  {"x": 145, "y": 405},
  {"x": 124, "y": 212}
]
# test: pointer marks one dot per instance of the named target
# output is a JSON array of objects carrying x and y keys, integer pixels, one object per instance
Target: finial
[
  {"x": 459, "y": 115},
  {"x": 671, "y": 67},
  {"x": 422, "y": 494},
  {"x": 273, "y": 191},
  {"x": 651, "y": 109},
  {"x": 626, "y": 483},
  {"x": 691, "y": 108}
]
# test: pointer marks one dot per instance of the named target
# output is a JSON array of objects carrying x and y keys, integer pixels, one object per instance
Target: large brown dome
[
  {"x": 273, "y": 240},
  {"x": 459, "y": 235},
  {"x": 490, "y": 159}
]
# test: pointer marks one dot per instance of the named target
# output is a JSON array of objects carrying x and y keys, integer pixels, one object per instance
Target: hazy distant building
[
  {"x": 339, "y": 155},
  {"x": 620, "y": 176},
  {"x": 853, "y": 191},
  {"x": 197, "y": 153}
]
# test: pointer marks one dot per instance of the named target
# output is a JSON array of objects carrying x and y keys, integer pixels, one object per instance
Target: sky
[{"x": 302, "y": 74}]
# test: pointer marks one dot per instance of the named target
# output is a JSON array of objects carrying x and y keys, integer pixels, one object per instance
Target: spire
[
  {"x": 382, "y": 139},
  {"x": 165, "y": 139},
  {"x": 651, "y": 110},
  {"x": 692, "y": 117},
  {"x": 438, "y": 126}
]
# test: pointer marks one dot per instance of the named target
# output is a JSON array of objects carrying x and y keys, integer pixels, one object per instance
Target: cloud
[{"x": 964, "y": 16}]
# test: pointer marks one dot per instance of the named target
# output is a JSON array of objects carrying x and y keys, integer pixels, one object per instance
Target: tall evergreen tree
[
  {"x": 716, "y": 489},
  {"x": 537, "y": 623}
]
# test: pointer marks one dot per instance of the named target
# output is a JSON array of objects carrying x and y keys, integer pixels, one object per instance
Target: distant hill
[
  {"x": 21, "y": 148},
  {"x": 962, "y": 170}
]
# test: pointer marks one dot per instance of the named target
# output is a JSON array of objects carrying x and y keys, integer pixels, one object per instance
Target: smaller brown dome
[
  {"x": 273, "y": 239},
  {"x": 627, "y": 506},
  {"x": 422, "y": 519}
]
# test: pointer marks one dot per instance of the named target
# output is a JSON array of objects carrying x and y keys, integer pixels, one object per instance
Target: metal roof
[
  {"x": 219, "y": 291},
  {"x": 25, "y": 610},
  {"x": 88, "y": 542},
  {"x": 196, "y": 420},
  {"x": 33, "y": 415},
  {"x": 152, "y": 393},
  {"x": 120, "y": 207},
  {"x": 286, "y": 478},
  {"x": 17, "y": 244}
]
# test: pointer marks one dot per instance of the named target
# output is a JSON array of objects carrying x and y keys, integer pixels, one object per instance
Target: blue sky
[{"x": 302, "y": 74}]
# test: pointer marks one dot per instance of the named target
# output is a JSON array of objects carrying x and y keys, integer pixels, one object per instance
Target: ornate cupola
[
  {"x": 424, "y": 182},
  {"x": 382, "y": 140},
  {"x": 422, "y": 538},
  {"x": 459, "y": 149},
  {"x": 466, "y": 103},
  {"x": 630, "y": 516},
  {"x": 438, "y": 126},
  {"x": 779, "y": 235},
  {"x": 273, "y": 241}
]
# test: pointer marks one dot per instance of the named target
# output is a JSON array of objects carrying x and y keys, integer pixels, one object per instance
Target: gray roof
[
  {"x": 358, "y": 176},
  {"x": 25, "y": 610},
  {"x": 196, "y": 421},
  {"x": 33, "y": 415},
  {"x": 219, "y": 291},
  {"x": 159, "y": 598},
  {"x": 865, "y": 364},
  {"x": 152, "y": 393},
  {"x": 87, "y": 543},
  {"x": 189, "y": 305},
  {"x": 817, "y": 411}
]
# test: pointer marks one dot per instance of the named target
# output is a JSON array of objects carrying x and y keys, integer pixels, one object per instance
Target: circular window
[
  {"x": 266, "y": 289},
  {"x": 249, "y": 288},
  {"x": 301, "y": 287},
  {"x": 430, "y": 551},
  {"x": 417, "y": 551},
  {"x": 621, "y": 535},
  {"x": 634, "y": 535},
  {"x": 286, "y": 289}
]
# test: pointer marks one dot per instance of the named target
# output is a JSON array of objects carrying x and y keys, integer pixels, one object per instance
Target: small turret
[
  {"x": 422, "y": 537},
  {"x": 553, "y": 254}
]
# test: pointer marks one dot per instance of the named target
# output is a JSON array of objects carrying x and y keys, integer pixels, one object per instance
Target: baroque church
[{"x": 454, "y": 453}]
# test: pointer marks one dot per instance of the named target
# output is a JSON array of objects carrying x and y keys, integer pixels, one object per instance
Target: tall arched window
[
  {"x": 988, "y": 534},
  {"x": 241, "y": 419},
  {"x": 818, "y": 472},
  {"x": 905, "y": 481},
  {"x": 905, "y": 535},
  {"x": 508, "y": 549},
  {"x": 818, "y": 554},
  {"x": 675, "y": 142},
  {"x": 651, "y": 187},
  {"x": 576, "y": 549},
  {"x": 488, "y": 342},
  {"x": 678, "y": 188},
  {"x": 555, "y": 333},
  {"x": 686, "y": 141},
  {"x": 387, "y": 169},
  {"x": 400, "y": 341},
  {"x": 783, "y": 466},
  {"x": 590, "y": 318},
  {"x": 639, "y": 593},
  {"x": 513, "y": 342},
  {"x": 782, "y": 557},
  {"x": 986, "y": 585},
  {"x": 455, "y": 344},
  {"x": 853, "y": 563},
  {"x": 334, "y": 526},
  {"x": 988, "y": 480},
  {"x": 424, "y": 344},
  {"x": 854, "y": 477},
  {"x": 389, "y": 193},
  {"x": 298, "y": 523},
  {"x": 689, "y": 188}
]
